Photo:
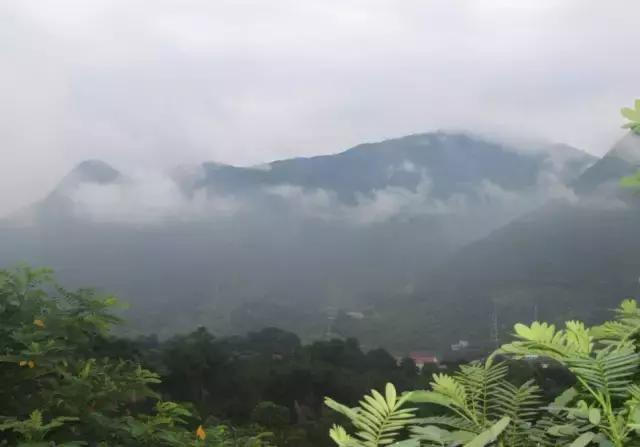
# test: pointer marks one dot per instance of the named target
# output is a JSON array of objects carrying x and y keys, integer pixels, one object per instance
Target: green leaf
[
  {"x": 594, "y": 416},
  {"x": 630, "y": 114},
  {"x": 583, "y": 440},
  {"x": 490, "y": 435},
  {"x": 390, "y": 395},
  {"x": 379, "y": 419},
  {"x": 430, "y": 397},
  {"x": 407, "y": 443},
  {"x": 563, "y": 400},
  {"x": 563, "y": 430}
]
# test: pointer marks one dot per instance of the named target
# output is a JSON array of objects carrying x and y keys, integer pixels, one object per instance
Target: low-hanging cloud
[
  {"x": 378, "y": 206},
  {"x": 155, "y": 198},
  {"x": 148, "y": 198},
  {"x": 161, "y": 83}
]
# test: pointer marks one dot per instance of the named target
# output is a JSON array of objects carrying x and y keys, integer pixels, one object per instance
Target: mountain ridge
[
  {"x": 400, "y": 162},
  {"x": 568, "y": 259},
  {"x": 303, "y": 235}
]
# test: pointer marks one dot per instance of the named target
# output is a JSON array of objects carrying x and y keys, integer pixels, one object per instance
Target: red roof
[{"x": 423, "y": 357}]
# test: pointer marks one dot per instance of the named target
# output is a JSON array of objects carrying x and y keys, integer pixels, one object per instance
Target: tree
[
  {"x": 271, "y": 415},
  {"x": 408, "y": 367},
  {"x": 380, "y": 360},
  {"x": 54, "y": 391}
]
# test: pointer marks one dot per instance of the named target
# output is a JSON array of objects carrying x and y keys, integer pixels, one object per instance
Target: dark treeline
[
  {"x": 270, "y": 379},
  {"x": 267, "y": 377}
]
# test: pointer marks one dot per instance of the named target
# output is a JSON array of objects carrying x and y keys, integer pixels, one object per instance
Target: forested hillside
[
  {"x": 571, "y": 258},
  {"x": 66, "y": 380},
  {"x": 65, "y": 377},
  {"x": 293, "y": 243}
]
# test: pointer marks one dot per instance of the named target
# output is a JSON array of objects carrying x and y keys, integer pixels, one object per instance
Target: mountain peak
[
  {"x": 627, "y": 149},
  {"x": 95, "y": 171},
  {"x": 623, "y": 159},
  {"x": 89, "y": 171}
]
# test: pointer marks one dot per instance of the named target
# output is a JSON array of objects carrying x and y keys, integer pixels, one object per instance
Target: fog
[
  {"x": 148, "y": 198},
  {"x": 151, "y": 86},
  {"x": 223, "y": 222},
  {"x": 302, "y": 159},
  {"x": 155, "y": 198}
]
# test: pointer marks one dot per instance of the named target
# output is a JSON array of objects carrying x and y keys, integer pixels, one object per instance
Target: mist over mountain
[
  {"x": 293, "y": 242},
  {"x": 572, "y": 259}
]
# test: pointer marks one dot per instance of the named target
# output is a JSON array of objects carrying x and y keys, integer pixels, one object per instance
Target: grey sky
[{"x": 154, "y": 83}]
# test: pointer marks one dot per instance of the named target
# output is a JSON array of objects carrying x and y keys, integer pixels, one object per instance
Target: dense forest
[{"x": 67, "y": 379}]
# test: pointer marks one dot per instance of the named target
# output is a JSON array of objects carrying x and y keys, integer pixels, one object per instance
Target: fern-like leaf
[
  {"x": 482, "y": 383},
  {"x": 610, "y": 372},
  {"x": 379, "y": 419},
  {"x": 625, "y": 327},
  {"x": 522, "y": 405}
]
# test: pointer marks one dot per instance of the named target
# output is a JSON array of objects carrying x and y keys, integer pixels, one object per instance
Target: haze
[{"x": 155, "y": 84}]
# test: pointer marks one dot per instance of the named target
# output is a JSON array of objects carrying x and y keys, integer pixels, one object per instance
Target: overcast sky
[{"x": 154, "y": 83}]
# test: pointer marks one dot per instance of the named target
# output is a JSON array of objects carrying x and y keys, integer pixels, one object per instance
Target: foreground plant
[
  {"x": 481, "y": 407},
  {"x": 379, "y": 419},
  {"x": 633, "y": 115},
  {"x": 34, "y": 430},
  {"x": 604, "y": 405},
  {"x": 55, "y": 392}
]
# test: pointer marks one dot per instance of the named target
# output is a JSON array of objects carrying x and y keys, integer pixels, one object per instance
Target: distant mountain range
[
  {"x": 571, "y": 259},
  {"x": 574, "y": 258},
  {"x": 417, "y": 234}
]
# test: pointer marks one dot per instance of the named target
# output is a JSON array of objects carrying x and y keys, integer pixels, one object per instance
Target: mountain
[
  {"x": 288, "y": 243},
  {"x": 454, "y": 163},
  {"x": 88, "y": 171},
  {"x": 622, "y": 159},
  {"x": 569, "y": 259}
]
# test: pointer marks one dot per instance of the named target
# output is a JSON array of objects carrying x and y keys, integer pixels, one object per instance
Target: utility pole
[
  {"x": 495, "y": 335},
  {"x": 331, "y": 316}
]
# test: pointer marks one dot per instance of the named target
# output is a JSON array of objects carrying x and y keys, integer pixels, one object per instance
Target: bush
[{"x": 54, "y": 391}]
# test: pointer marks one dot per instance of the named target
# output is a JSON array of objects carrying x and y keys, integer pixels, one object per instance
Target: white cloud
[
  {"x": 148, "y": 198},
  {"x": 154, "y": 84},
  {"x": 151, "y": 197},
  {"x": 381, "y": 205}
]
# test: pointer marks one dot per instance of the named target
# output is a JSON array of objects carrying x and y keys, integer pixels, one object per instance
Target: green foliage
[
  {"x": 271, "y": 415},
  {"x": 605, "y": 362},
  {"x": 34, "y": 428},
  {"x": 482, "y": 407},
  {"x": 54, "y": 391},
  {"x": 631, "y": 181},
  {"x": 633, "y": 115},
  {"x": 59, "y": 359},
  {"x": 602, "y": 407},
  {"x": 379, "y": 419}
]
